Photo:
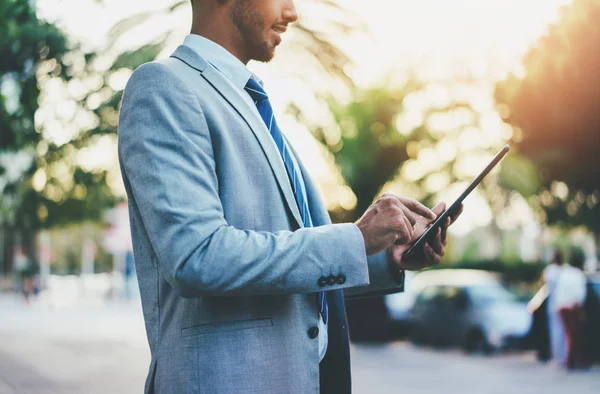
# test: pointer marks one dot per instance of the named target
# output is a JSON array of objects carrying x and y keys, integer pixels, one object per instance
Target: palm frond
[
  {"x": 178, "y": 5},
  {"x": 137, "y": 57},
  {"x": 126, "y": 25}
]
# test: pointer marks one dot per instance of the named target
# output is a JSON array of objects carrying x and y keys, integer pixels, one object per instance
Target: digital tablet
[{"x": 431, "y": 231}]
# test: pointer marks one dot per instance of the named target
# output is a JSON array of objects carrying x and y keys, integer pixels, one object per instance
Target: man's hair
[
  {"x": 558, "y": 257},
  {"x": 577, "y": 258}
]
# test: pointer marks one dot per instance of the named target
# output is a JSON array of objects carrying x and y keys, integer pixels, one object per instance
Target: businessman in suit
[{"x": 242, "y": 275}]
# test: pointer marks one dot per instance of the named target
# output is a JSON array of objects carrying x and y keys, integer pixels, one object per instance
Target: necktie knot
[{"x": 256, "y": 91}]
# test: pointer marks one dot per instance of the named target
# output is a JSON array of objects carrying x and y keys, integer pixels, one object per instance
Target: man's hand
[
  {"x": 391, "y": 220},
  {"x": 433, "y": 250}
]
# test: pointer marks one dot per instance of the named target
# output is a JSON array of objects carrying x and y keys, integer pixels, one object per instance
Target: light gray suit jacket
[{"x": 228, "y": 276}]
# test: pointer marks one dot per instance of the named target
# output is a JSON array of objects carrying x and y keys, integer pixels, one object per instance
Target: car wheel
[
  {"x": 476, "y": 343},
  {"x": 399, "y": 330},
  {"x": 417, "y": 335}
]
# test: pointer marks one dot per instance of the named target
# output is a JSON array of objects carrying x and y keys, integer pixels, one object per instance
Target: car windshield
[{"x": 486, "y": 294}]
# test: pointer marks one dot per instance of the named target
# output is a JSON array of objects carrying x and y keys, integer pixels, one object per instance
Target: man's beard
[{"x": 251, "y": 29}]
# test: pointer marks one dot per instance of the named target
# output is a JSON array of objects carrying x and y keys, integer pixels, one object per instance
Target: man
[{"x": 240, "y": 270}]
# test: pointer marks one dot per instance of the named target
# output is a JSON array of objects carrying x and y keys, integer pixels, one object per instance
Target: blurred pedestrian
[
  {"x": 555, "y": 327},
  {"x": 27, "y": 285},
  {"x": 25, "y": 274},
  {"x": 571, "y": 290}
]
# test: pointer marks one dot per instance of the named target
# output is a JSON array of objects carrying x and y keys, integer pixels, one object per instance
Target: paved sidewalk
[
  {"x": 98, "y": 347},
  {"x": 92, "y": 346},
  {"x": 403, "y": 368}
]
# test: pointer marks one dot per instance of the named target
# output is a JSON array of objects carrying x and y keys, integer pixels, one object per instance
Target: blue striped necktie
[{"x": 261, "y": 100}]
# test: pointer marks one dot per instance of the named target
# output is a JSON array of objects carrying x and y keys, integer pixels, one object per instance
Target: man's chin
[{"x": 266, "y": 54}]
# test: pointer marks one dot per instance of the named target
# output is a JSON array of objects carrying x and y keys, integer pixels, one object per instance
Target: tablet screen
[{"x": 431, "y": 231}]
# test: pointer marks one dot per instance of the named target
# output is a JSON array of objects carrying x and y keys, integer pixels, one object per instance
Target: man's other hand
[
  {"x": 433, "y": 251},
  {"x": 391, "y": 220}
]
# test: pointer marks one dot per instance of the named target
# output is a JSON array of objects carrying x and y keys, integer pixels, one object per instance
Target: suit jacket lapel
[{"x": 256, "y": 124}]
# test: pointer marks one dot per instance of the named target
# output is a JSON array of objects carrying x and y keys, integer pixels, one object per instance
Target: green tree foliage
[
  {"x": 375, "y": 148},
  {"x": 368, "y": 148},
  {"x": 25, "y": 44},
  {"x": 32, "y": 53},
  {"x": 47, "y": 181},
  {"x": 554, "y": 110},
  {"x": 54, "y": 103}
]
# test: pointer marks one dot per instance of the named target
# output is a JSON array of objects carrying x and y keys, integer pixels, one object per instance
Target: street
[{"x": 100, "y": 347}]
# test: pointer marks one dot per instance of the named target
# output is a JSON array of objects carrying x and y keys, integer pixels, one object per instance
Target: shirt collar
[{"x": 221, "y": 59}]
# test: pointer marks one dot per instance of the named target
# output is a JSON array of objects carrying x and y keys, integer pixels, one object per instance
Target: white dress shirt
[{"x": 238, "y": 75}]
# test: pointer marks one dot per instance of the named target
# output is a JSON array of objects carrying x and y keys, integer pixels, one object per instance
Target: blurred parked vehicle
[
  {"x": 367, "y": 319},
  {"x": 399, "y": 305},
  {"x": 383, "y": 317},
  {"x": 538, "y": 337},
  {"x": 468, "y": 308}
]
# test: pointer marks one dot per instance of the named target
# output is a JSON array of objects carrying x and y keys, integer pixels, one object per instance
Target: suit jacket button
[
  {"x": 313, "y": 332},
  {"x": 331, "y": 280},
  {"x": 322, "y": 281},
  {"x": 341, "y": 279}
]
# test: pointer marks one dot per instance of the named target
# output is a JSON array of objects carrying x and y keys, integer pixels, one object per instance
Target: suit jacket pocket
[{"x": 225, "y": 326}]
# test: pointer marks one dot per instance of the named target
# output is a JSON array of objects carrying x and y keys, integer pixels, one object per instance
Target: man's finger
[
  {"x": 404, "y": 235},
  {"x": 418, "y": 208},
  {"x": 437, "y": 244},
  {"x": 410, "y": 227},
  {"x": 444, "y": 233},
  {"x": 456, "y": 213},
  {"x": 408, "y": 214},
  {"x": 439, "y": 209},
  {"x": 431, "y": 257}
]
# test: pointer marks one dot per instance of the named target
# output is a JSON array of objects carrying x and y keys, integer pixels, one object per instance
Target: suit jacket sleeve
[{"x": 167, "y": 160}]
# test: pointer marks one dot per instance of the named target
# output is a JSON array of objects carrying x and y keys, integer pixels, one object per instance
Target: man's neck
[{"x": 219, "y": 29}]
